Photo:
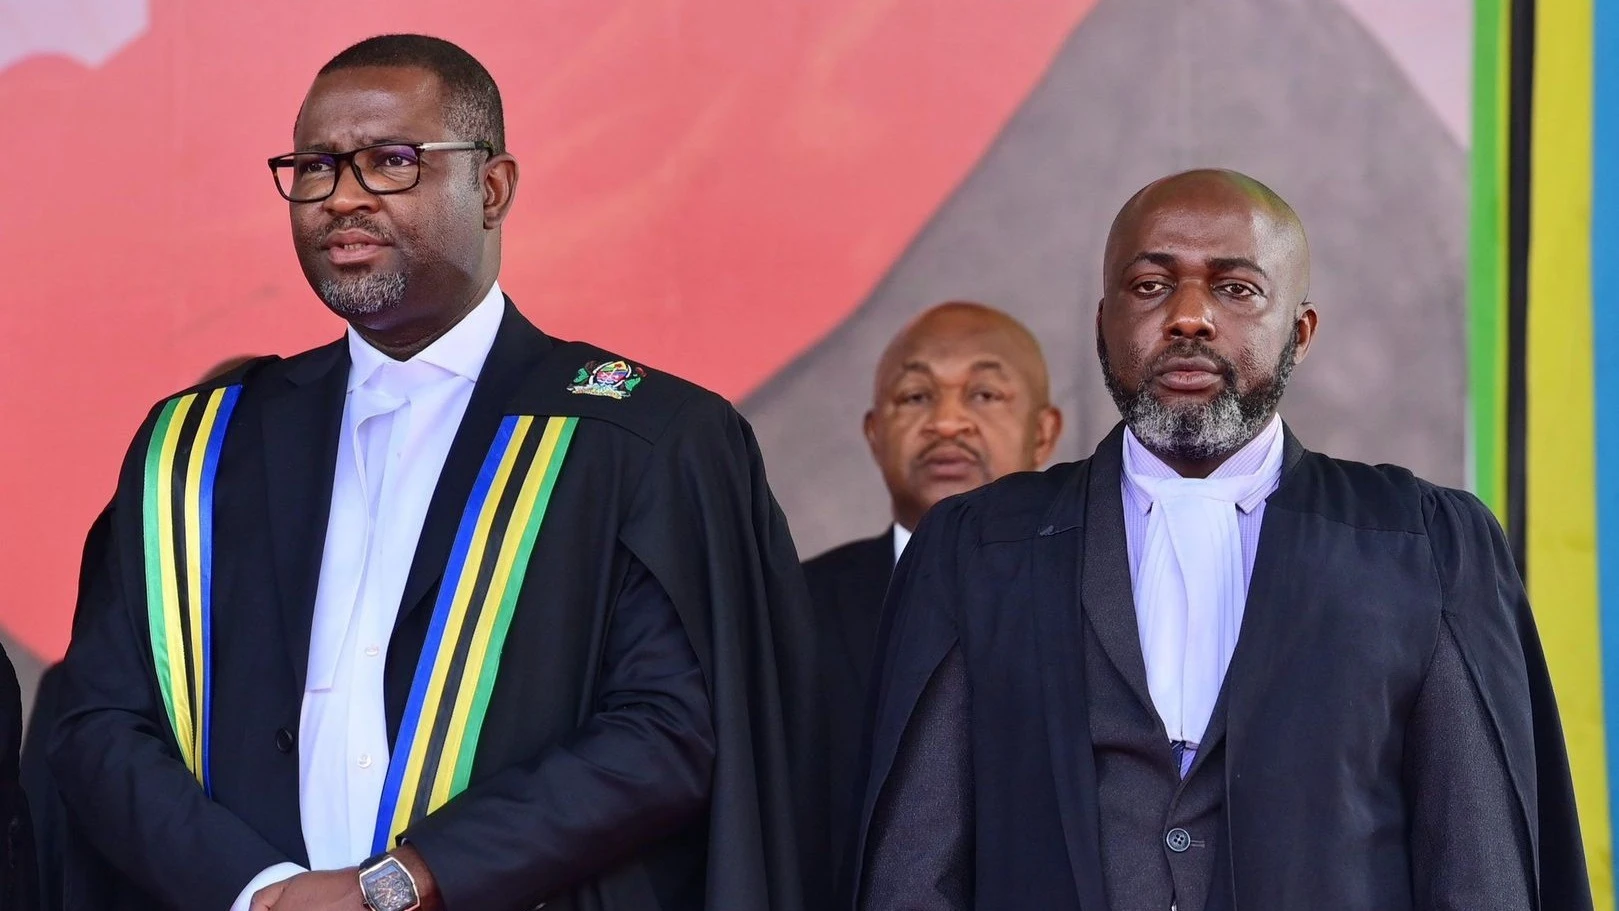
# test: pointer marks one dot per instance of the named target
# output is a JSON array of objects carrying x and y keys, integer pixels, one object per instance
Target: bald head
[
  {"x": 960, "y": 326},
  {"x": 1204, "y": 313},
  {"x": 961, "y": 397},
  {"x": 1276, "y": 227}
]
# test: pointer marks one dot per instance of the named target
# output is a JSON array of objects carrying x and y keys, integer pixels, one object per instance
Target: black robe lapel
[
  {"x": 1266, "y": 614},
  {"x": 1054, "y": 586},
  {"x": 1108, "y": 597},
  {"x": 1268, "y": 563},
  {"x": 518, "y": 346},
  {"x": 301, "y": 425},
  {"x": 862, "y": 605}
]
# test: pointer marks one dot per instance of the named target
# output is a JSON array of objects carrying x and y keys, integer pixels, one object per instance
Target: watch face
[{"x": 387, "y": 887}]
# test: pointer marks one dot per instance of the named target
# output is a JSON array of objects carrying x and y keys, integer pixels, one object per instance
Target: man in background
[{"x": 961, "y": 398}]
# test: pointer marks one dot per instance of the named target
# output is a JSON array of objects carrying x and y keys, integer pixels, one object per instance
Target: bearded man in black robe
[
  {"x": 1207, "y": 669},
  {"x": 448, "y": 613}
]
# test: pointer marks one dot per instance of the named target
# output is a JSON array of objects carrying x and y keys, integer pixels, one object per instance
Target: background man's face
[
  {"x": 385, "y": 260},
  {"x": 954, "y": 411}
]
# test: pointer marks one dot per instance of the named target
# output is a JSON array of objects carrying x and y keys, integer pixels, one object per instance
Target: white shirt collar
[
  {"x": 460, "y": 351},
  {"x": 902, "y": 537},
  {"x": 1250, "y": 460}
]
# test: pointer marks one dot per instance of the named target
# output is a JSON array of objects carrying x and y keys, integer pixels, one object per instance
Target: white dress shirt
[
  {"x": 399, "y": 418},
  {"x": 902, "y": 537},
  {"x": 1191, "y": 543}
]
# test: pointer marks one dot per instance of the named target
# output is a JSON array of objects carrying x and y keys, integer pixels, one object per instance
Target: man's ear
[
  {"x": 1304, "y": 330},
  {"x": 499, "y": 189},
  {"x": 1048, "y": 426}
]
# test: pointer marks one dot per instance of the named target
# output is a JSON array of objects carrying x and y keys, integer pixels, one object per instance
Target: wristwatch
[{"x": 387, "y": 886}]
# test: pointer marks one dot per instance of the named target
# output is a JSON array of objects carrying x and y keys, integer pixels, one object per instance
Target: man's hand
[
  {"x": 339, "y": 890},
  {"x": 267, "y": 896},
  {"x": 327, "y": 890}
]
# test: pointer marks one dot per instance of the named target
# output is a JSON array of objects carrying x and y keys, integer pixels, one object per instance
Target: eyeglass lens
[{"x": 310, "y": 176}]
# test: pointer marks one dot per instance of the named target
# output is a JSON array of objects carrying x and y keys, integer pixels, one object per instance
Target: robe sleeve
[
  {"x": 1469, "y": 846},
  {"x": 704, "y": 522},
  {"x": 112, "y": 753},
  {"x": 919, "y": 852},
  {"x": 1487, "y": 611},
  {"x": 45, "y": 802},
  {"x": 918, "y": 637},
  {"x": 636, "y": 771}
]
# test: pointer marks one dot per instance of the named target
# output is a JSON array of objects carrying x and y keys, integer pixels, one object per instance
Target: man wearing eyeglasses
[{"x": 447, "y": 613}]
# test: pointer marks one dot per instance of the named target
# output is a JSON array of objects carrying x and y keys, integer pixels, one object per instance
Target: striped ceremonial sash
[
  {"x": 438, "y": 737},
  {"x": 177, "y": 512}
]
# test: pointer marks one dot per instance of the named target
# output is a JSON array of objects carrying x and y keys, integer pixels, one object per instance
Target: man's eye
[
  {"x": 987, "y": 395},
  {"x": 314, "y": 165},
  {"x": 913, "y": 398},
  {"x": 1151, "y": 286},
  {"x": 1237, "y": 289},
  {"x": 384, "y": 158}
]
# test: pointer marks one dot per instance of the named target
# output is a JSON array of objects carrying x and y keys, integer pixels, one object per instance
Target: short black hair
[{"x": 472, "y": 105}]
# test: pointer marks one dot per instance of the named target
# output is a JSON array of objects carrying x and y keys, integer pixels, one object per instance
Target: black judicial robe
[
  {"x": 1357, "y": 571},
  {"x": 18, "y": 874},
  {"x": 578, "y": 798}
]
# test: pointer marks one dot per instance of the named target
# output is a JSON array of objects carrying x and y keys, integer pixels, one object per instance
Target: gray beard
[
  {"x": 1199, "y": 432},
  {"x": 366, "y": 295}
]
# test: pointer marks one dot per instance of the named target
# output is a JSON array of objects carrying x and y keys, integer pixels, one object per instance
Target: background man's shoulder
[{"x": 851, "y": 558}]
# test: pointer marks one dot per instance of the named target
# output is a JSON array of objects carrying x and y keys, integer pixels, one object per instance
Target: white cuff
[{"x": 271, "y": 876}]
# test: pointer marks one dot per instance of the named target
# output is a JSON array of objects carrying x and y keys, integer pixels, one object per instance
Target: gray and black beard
[
  {"x": 1198, "y": 432},
  {"x": 365, "y": 295}
]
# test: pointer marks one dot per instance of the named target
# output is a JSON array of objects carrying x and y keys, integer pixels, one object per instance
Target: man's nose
[
  {"x": 951, "y": 418},
  {"x": 1191, "y": 312},
  {"x": 349, "y": 195}
]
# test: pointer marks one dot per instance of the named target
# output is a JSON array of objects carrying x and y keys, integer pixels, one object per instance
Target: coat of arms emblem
[{"x": 613, "y": 379}]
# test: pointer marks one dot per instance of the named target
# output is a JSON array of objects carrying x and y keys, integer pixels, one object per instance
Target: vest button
[
  {"x": 1178, "y": 840},
  {"x": 283, "y": 740}
]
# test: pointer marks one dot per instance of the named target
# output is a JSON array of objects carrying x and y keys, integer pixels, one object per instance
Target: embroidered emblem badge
[{"x": 613, "y": 379}]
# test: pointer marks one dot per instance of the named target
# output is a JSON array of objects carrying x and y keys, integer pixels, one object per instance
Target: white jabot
[
  {"x": 1192, "y": 580},
  {"x": 399, "y": 419},
  {"x": 902, "y": 537}
]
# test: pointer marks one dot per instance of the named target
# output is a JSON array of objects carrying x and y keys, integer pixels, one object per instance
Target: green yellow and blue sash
[
  {"x": 438, "y": 738},
  {"x": 449, "y": 696},
  {"x": 177, "y": 522}
]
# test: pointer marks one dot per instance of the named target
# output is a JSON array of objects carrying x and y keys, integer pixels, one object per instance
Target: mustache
[
  {"x": 937, "y": 445},
  {"x": 1194, "y": 349},
  {"x": 356, "y": 223}
]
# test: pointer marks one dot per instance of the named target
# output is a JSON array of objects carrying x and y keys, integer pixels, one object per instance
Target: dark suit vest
[{"x": 1159, "y": 832}]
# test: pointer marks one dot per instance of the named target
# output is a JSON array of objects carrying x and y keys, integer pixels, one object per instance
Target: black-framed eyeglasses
[{"x": 387, "y": 167}]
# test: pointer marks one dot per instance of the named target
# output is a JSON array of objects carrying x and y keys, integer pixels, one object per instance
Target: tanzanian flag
[{"x": 1544, "y": 383}]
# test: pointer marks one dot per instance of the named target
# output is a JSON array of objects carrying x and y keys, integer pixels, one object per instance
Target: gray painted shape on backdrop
[{"x": 1294, "y": 92}]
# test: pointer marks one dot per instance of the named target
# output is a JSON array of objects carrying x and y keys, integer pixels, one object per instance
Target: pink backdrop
[{"x": 711, "y": 186}]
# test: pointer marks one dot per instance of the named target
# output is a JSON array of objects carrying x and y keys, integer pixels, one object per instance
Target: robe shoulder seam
[{"x": 1358, "y": 526}]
